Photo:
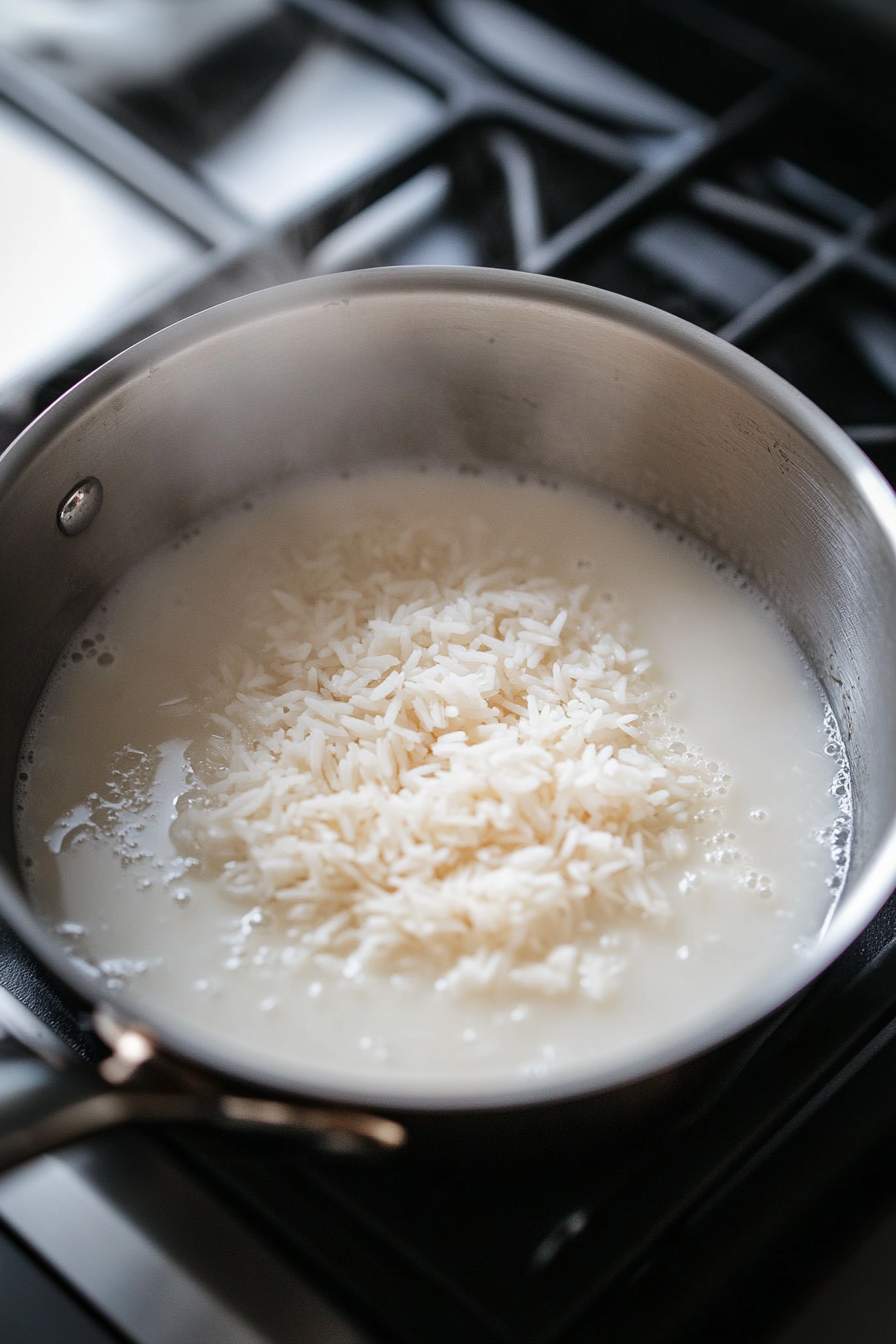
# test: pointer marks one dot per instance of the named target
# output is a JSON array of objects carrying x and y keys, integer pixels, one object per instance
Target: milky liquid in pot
[{"x": 132, "y": 679}]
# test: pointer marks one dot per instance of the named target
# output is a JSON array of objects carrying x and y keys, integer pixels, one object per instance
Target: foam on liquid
[{"x": 108, "y": 744}]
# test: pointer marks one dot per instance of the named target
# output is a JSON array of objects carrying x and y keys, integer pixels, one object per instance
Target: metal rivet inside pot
[{"x": 80, "y": 506}]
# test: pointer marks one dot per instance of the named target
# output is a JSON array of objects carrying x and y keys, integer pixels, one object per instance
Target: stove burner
[{"x": 671, "y": 151}]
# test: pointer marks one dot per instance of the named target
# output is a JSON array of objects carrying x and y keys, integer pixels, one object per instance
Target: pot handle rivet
[{"x": 80, "y": 506}]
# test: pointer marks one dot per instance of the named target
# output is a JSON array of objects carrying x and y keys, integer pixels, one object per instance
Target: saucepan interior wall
[{"x": 538, "y": 375}]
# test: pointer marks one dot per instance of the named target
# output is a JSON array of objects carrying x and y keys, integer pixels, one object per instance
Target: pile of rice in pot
[{"x": 432, "y": 756}]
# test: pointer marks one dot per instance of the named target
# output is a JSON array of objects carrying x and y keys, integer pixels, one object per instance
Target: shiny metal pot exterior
[{"x": 464, "y": 364}]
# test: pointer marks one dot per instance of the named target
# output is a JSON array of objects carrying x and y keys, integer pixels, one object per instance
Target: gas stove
[{"x": 728, "y": 162}]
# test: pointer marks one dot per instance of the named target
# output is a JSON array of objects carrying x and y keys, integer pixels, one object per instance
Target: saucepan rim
[{"x": 208, "y": 1050}]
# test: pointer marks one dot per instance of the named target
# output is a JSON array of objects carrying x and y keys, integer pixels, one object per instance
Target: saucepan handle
[{"x": 50, "y": 1101}]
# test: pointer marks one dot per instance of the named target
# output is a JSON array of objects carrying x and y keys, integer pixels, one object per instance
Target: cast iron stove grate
[{"x": 681, "y": 156}]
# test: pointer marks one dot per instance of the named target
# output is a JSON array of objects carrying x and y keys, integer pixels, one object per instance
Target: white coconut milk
[{"x": 104, "y": 766}]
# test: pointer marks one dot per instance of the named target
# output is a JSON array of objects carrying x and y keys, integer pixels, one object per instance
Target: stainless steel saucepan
[{"x": 479, "y": 364}]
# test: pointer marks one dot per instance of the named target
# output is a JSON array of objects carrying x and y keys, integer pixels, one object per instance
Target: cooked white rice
[{"x": 432, "y": 756}]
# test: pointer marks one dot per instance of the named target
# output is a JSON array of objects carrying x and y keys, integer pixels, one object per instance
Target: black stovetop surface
[{"x": 761, "y": 205}]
